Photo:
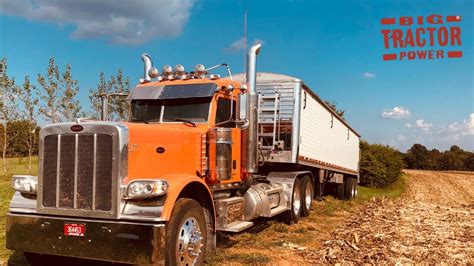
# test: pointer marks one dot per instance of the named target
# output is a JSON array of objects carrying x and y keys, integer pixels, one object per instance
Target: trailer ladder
[{"x": 268, "y": 120}]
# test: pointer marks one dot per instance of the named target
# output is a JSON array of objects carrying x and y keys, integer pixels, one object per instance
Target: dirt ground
[{"x": 432, "y": 223}]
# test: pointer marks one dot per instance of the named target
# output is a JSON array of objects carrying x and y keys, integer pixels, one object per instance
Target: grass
[{"x": 16, "y": 166}]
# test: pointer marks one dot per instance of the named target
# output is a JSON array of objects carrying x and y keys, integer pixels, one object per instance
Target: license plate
[{"x": 74, "y": 229}]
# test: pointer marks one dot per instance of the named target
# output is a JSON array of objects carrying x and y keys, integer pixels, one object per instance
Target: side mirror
[{"x": 243, "y": 116}]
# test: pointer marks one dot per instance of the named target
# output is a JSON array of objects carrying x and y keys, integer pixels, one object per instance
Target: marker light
[
  {"x": 25, "y": 183},
  {"x": 167, "y": 72},
  {"x": 153, "y": 72},
  {"x": 179, "y": 72},
  {"x": 199, "y": 71},
  {"x": 140, "y": 189}
]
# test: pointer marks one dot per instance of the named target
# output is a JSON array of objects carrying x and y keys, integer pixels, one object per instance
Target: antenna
[{"x": 245, "y": 46}]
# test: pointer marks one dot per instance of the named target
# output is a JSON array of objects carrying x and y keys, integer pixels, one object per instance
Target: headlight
[
  {"x": 25, "y": 183},
  {"x": 140, "y": 189}
]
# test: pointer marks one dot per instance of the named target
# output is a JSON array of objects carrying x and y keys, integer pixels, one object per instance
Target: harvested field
[{"x": 431, "y": 223}]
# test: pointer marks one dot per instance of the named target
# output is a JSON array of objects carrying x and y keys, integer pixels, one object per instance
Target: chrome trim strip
[
  {"x": 58, "y": 163},
  {"x": 94, "y": 171},
  {"x": 76, "y": 153},
  {"x": 296, "y": 121}
]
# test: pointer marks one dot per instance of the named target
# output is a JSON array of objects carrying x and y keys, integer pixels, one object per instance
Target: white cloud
[
  {"x": 420, "y": 124},
  {"x": 369, "y": 75},
  {"x": 123, "y": 22},
  {"x": 396, "y": 113},
  {"x": 239, "y": 45},
  {"x": 457, "y": 130}
]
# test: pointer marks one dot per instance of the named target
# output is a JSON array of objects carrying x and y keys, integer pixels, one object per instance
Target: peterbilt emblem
[{"x": 77, "y": 128}]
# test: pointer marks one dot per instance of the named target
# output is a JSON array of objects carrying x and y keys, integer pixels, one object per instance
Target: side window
[{"x": 223, "y": 112}]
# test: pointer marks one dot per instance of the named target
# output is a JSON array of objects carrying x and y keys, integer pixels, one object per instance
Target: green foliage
[
  {"x": 380, "y": 166},
  {"x": 118, "y": 105},
  {"x": 58, "y": 95},
  {"x": 419, "y": 157},
  {"x": 19, "y": 132}
]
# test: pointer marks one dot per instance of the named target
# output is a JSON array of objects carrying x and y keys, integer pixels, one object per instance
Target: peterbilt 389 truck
[{"x": 199, "y": 154}]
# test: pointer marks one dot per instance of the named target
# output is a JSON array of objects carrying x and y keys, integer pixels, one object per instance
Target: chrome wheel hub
[
  {"x": 189, "y": 242},
  {"x": 296, "y": 200}
]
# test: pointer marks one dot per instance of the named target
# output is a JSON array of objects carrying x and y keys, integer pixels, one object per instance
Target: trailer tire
[
  {"x": 186, "y": 234},
  {"x": 294, "y": 214},
  {"x": 350, "y": 190},
  {"x": 308, "y": 193},
  {"x": 340, "y": 187}
]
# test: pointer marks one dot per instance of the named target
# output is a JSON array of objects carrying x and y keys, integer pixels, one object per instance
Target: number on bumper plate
[{"x": 74, "y": 229}]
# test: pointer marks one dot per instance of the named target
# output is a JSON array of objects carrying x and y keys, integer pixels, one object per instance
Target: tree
[
  {"x": 118, "y": 105},
  {"x": 449, "y": 161},
  {"x": 50, "y": 96},
  {"x": 102, "y": 87},
  {"x": 9, "y": 110},
  {"x": 59, "y": 94},
  {"x": 469, "y": 162},
  {"x": 417, "y": 157},
  {"x": 380, "y": 166},
  {"x": 28, "y": 97},
  {"x": 333, "y": 106},
  {"x": 70, "y": 107}
]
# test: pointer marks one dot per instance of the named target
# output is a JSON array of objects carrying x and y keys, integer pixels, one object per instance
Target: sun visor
[{"x": 173, "y": 91}]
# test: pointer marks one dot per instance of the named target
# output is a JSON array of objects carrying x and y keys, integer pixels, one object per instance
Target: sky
[{"x": 335, "y": 47}]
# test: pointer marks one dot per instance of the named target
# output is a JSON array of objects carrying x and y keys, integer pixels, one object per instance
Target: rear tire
[
  {"x": 350, "y": 190},
  {"x": 186, "y": 234},
  {"x": 294, "y": 214},
  {"x": 308, "y": 193},
  {"x": 340, "y": 187}
]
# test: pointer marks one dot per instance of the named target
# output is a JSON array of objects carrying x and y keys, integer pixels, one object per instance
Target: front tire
[
  {"x": 186, "y": 234},
  {"x": 308, "y": 192}
]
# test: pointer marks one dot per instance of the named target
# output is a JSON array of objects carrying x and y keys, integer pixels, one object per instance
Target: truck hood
[{"x": 161, "y": 149}]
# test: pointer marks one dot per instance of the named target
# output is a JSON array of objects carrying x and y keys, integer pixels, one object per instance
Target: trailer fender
[{"x": 287, "y": 181}]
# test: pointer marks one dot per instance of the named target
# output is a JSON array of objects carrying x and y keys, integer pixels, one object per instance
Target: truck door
[{"x": 226, "y": 107}]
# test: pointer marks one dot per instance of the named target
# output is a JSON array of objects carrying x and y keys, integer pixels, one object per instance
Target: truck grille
[{"x": 77, "y": 171}]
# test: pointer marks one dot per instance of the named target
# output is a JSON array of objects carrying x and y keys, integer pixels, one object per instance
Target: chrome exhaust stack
[
  {"x": 252, "y": 112},
  {"x": 148, "y": 65}
]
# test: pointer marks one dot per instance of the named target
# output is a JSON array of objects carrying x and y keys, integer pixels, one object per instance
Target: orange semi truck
[{"x": 199, "y": 154}]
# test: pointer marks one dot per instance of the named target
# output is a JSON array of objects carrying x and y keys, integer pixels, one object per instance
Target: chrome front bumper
[{"x": 117, "y": 241}]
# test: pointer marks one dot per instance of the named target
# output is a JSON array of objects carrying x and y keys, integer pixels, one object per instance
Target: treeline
[
  {"x": 419, "y": 157},
  {"x": 51, "y": 97}
]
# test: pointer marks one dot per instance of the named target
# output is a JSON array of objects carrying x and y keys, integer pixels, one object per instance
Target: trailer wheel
[
  {"x": 350, "y": 188},
  {"x": 308, "y": 191},
  {"x": 294, "y": 214},
  {"x": 341, "y": 190},
  {"x": 186, "y": 234}
]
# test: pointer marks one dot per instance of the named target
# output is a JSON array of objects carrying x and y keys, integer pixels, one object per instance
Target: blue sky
[{"x": 336, "y": 47}]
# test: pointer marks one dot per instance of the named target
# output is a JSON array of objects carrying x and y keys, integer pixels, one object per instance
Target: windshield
[{"x": 173, "y": 110}]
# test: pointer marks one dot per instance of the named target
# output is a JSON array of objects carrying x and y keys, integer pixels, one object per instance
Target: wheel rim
[
  {"x": 353, "y": 192},
  {"x": 308, "y": 196},
  {"x": 296, "y": 200},
  {"x": 189, "y": 242}
]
